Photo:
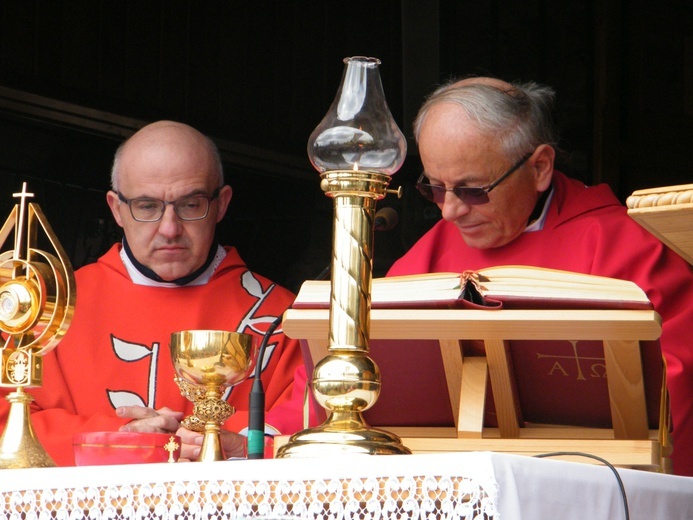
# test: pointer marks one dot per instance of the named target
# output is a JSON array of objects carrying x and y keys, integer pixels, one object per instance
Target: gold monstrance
[
  {"x": 356, "y": 147},
  {"x": 37, "y": 298}
]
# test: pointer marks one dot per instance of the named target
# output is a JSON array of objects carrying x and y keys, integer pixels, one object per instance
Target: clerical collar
[
  {"x": 538, "y": 216},
  {"x": 143, "y": 275}
]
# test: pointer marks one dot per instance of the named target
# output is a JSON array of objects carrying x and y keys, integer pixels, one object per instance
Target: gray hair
[
  {"x": 212, "y": 147},
  {"x": 520, "y": 117}
]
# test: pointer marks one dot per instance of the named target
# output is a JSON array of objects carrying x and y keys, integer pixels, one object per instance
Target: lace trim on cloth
[
  {"x": 435, "y": 486},
  {"x": 392, "y": 498}
]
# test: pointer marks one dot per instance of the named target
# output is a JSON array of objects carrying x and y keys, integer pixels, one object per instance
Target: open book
[{"x": 512, "y": 286}]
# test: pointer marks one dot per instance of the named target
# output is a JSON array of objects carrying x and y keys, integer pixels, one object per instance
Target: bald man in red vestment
[{"x": 113, "y": 369}]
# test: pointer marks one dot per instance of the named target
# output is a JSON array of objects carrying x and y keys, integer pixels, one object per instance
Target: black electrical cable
[{"x": 603, "y": 461}]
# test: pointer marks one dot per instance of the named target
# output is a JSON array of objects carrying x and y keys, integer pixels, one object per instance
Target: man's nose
[
  {"x": 170, "y": 225},
  {"x": 453, "y": 207}
]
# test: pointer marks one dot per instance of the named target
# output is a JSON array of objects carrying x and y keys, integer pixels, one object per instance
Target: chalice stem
[{"x": 211, "y": 444}]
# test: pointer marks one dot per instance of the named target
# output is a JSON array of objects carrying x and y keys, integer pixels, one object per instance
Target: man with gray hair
[{"x": 488, "y": 150}]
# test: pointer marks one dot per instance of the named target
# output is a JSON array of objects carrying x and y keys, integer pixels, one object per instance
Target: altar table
[{"x": 425, "y": 486}]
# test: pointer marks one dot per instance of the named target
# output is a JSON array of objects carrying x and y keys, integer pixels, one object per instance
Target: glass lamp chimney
[{"x": 358, "y": 132}]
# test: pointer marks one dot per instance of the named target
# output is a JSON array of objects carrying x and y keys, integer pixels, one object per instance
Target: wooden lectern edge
[
  {"x": 642, "y": 325},
  {"x": 664, "y": 196},
  {"x": 637, "y": 454}
]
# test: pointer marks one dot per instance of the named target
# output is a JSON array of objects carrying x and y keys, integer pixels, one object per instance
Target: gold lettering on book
[
  {"x": 597, "y": 365},
  {"x": 599, "y": 370},
  {"x": 557, "y": 366}
]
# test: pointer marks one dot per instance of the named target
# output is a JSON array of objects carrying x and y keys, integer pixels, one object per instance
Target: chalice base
[{"x": 344, "y": 433}]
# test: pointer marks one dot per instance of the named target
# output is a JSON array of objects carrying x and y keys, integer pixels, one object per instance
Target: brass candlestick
[
  {"x": 357, "y": 146},
  {"x": 37, "y": 297},
  {"x": 206, "y": 363}
]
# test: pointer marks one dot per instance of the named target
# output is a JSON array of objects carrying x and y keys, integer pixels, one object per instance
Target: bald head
[{"x": 167, "y": 138}]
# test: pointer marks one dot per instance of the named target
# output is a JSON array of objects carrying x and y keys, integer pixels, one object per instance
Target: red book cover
[{"x": 558, "y": 383}]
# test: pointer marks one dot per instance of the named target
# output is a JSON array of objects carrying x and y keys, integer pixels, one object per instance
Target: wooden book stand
[{"x": 630, "y": 440}]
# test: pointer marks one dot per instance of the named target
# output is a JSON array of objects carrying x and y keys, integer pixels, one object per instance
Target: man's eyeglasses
[
  {"x": 194, "y": 207},
  {"x": 471, "y": 196}
]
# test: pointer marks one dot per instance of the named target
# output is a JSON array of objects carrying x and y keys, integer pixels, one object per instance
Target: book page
[{"x": 502, "y": 283}]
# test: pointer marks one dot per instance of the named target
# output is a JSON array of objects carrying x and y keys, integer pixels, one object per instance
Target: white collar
[
  {"x": 139, "y": 279},
  {"x": 538, "y": 224}
]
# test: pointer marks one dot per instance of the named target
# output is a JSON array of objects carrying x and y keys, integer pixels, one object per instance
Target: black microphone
[
  {"x": 256, "y": 401},
  {"x": 385, "y": 219}
]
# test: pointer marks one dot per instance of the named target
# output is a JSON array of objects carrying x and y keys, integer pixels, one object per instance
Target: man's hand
[
  {"x": 233, "y": 444},
  {"x": 163, "y": 420}
]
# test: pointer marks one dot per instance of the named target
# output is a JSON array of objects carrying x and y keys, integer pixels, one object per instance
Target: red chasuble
[
  {"x": 116, "y": 351},
  {"x": 587, "y": 230}
]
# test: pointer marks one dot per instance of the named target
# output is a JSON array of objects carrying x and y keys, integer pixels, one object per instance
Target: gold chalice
[{"x": 207, "y": 362}]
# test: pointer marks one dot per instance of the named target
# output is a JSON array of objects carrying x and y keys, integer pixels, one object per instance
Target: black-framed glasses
[
  {"x": 471, "y": 196},
  {"x": 192, "y": 207}
]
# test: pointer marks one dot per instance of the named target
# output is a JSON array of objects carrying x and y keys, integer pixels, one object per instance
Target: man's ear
[
  {"x": 114, "y": 204},
  {"x": 225, "y": 194},
  {"x": 542, "y": 162}
]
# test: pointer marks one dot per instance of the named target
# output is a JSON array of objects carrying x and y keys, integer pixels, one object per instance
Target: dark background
[{"x": 78, "y": 76}]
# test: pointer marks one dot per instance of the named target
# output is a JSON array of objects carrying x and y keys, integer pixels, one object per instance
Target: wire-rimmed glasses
[{"x": 468, "y": 195}]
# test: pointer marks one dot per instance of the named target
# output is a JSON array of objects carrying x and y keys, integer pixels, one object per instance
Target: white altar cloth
[
  {"x": 424, "y": 486},
  {"x": 533, "y": 488}
]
